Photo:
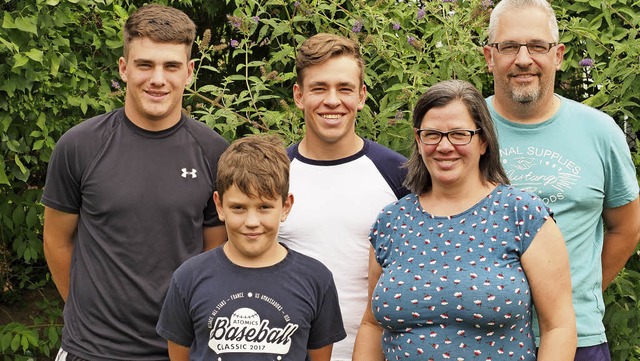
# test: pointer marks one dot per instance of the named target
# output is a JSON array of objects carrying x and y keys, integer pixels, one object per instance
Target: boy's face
[
  {"x": 330, "y": 96},
  {"x": 156, "y": 75},
  {"x": 252, "y": 225}
]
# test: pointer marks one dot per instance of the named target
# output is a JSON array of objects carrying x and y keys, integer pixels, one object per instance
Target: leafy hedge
[{"x": 59, "y": 66}]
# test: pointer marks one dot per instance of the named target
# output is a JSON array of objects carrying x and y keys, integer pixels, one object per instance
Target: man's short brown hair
[
  {"x": 322, "y": 47},
  {"x": 159, "y": 23}
]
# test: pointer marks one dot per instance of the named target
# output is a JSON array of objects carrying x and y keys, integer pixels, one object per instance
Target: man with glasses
[{"x": 572, "y": 156}]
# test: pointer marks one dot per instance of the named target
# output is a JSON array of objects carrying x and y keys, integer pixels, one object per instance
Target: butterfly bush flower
[
  {"x": 235, "y": 21},
  {"x": 586, "y": 62},
  {"x": 115, "y": 85},
  {"x": 206, "y": 39},
  {"x": 234, "y": 43},
  {"x": 396, "y": 26},
  {"x": 421, "y": 14},
  {"x": 357, "y": 27}
]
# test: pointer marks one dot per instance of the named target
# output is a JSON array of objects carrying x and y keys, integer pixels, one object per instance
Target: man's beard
[{"x": 524, "y": 95}]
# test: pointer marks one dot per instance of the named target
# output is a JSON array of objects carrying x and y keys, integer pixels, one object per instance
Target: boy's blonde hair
[{"x": 258, "y": 165}]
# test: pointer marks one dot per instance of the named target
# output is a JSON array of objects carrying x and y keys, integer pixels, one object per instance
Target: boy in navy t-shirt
[{"x": 253, "y": 298}]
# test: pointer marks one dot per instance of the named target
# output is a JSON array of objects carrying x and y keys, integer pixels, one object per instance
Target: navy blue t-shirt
[{"x": 227, "y": 312}]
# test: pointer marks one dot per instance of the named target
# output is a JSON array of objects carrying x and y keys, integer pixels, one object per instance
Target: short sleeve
[
  {"x": 62, "y": 186},
  {"x": 621, "y": 184},
  {"x": 327, "y": 327},
  {"x": 174, "y": 323}
]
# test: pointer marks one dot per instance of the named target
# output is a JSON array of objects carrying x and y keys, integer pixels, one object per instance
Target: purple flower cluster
[
  {"x": 115, "y": 85},
  {"x": 357, "y": 27},
  {"x": 421, "y": 14},
  {"x": 235, "y": 21},
  {"x": 234, "y": 43},
  {"x": 396, "y": 26},
  {"x": 411, "y": 40},
  {"x": 586, "y": 62}
]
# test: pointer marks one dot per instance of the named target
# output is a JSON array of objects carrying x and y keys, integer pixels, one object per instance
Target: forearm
[
  {"x": 558, "y": 344},
  {"x": 615, "y": 254},
  {"x": 368, "y": 345},
  {"x": 58, "y": 258},
  {"x": 620, "y": 239},
  {"x": 58, "y": 234}
]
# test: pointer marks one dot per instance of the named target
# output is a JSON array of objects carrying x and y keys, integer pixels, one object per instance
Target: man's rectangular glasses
[
  {"x": 455, "y": 137},
  {"x": 513, "y": 47}
]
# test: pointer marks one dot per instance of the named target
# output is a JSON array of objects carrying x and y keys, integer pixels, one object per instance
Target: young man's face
[
  {"x": 330, "y": 97},
  {"x": 252, "y": 225},
  {"x": 524, "y": 77},
  {"x": 156, "y": 75}
]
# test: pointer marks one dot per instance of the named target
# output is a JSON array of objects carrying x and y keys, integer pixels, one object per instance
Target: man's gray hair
[{"x": 506, "y": 5}]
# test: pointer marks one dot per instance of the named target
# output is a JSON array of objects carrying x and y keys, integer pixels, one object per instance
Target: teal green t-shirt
[{"x": 578, "y": 163}]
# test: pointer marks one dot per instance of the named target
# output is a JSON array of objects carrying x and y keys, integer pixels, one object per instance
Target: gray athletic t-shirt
[{"x": 142, "y": 199}]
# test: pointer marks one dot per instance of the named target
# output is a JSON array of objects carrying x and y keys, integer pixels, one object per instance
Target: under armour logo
[{"x": 185, "y": 173}]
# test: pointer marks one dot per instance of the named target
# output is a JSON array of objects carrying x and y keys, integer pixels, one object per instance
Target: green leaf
[
  {"x": 27, "y": 24},
  {"x": 3, "y": 174},
  {"x": 35, "y": 55},
  {"x": 15, "y": 343},
  {"x": 52, "y": 333},
  {"x": 5, "y": 341},
  {"x": 7, "y": 21},
  {"x": 20, "y": 59},
  {"x": 23, "y": 169}
]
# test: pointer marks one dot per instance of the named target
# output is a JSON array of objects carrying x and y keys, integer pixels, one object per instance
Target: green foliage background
[{"x": 58, "y": 66}]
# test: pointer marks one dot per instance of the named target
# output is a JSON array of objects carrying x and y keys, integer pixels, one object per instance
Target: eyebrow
[
  {"x": 340, "y": 84},
  {"x": 148, "y": 61}
]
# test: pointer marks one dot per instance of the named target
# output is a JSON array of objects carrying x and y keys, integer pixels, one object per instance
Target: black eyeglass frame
[
  {"x": 446, "y": 134},
  {"x": 520, "y": 45}
]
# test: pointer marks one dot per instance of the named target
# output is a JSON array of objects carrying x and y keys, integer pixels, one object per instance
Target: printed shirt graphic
[
  {"x": 231, "y": 313},
  {"x": 578, "y": 163},
  {"x": 453, "y": 287}
]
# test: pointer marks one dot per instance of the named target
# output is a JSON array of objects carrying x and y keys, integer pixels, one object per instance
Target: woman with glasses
[{"x": 457, "y": 266}]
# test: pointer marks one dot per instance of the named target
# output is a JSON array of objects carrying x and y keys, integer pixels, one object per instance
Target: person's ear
[
  {"x": 298, "y": 96},
  {"x": 559, "y": 55},
  {"x": 286, "y": 207},
  {"x": 488, "y": 57},
  {"x": 122, "y": 68},
  {"x": 217, "y": 199}
]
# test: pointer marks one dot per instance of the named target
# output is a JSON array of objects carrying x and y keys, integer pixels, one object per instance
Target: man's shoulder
[
  {"x": 593, "y": 121},
  {"x": 94, "y": 130},
  {"x": 374, "y": 149},
  {"x": 205, "y": 136}
]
